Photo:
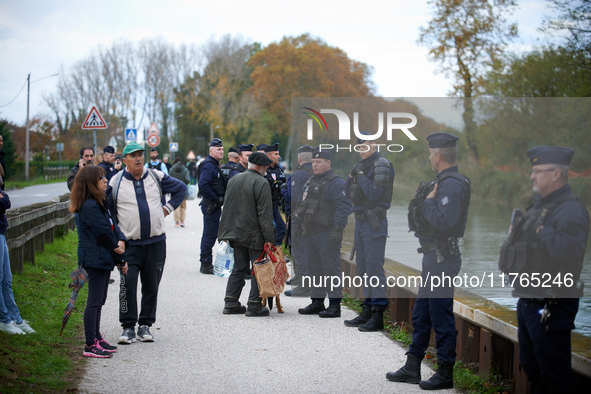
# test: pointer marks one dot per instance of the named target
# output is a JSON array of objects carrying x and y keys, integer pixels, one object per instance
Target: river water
[{"x": 485, "y": 233}]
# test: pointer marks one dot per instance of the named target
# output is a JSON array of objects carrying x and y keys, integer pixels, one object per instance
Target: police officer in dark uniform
[
  {"x": 369, "y": 187},
  {"x": 212, "y": 187},
  {"x": 438, "y": 215},
  {"x": 110, "y": 164},
  {"x": 244, "y": 151},
  {"x": 276, "y": 178},
  {"x": 294, "y": 187},
  {"x": 231, "y": 165},
  {"x": 547, "y": 243},
  {"x": 322, "y": 216}
]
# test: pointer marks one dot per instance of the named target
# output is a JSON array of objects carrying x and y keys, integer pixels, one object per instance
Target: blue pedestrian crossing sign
[
  {"x": 130, "y": 135},
  {"x": 173, "y": 147}
]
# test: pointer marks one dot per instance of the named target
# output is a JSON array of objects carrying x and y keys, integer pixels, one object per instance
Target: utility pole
[{"x": 27, "y": 147}]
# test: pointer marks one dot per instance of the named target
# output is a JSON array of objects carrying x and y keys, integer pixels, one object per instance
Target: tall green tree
[
  {"x": 9, "y": 148},
  {"x": 466, "y": 38}
]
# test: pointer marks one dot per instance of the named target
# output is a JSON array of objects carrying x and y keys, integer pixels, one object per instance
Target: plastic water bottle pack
[{"x": 224, "y": 260}]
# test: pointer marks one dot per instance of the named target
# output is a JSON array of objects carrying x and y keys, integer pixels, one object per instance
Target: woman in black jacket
[{"x": 102, "y": 246}]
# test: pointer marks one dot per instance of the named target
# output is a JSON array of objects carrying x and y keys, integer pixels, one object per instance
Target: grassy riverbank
[{"x": 45, "y": 361}]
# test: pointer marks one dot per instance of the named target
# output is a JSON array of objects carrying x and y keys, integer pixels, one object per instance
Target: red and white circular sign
[{"x": 153, "y": 140}]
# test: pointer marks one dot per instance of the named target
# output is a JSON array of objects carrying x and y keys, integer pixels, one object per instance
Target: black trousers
[
  {"x": 147, "y": 263},
  {"x": 98, "y": 284},
  {"x": 243, "y": 256}
]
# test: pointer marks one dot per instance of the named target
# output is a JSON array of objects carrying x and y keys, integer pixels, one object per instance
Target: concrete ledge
[{"x": 487, "y": 331}]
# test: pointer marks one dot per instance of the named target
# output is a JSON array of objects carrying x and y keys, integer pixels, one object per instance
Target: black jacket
[{"x": 98, "y": 236}]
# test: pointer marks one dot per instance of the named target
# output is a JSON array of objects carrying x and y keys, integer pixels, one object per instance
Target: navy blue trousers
[
  {"x": 211, "y": 224},
  {"x": 545, "y": 352},
  {"x": 279, "y": 225},
  {"x": 434, "y": 309},
  {"x": 370, "y": 249},
  {"x": 323, "y": 261}
]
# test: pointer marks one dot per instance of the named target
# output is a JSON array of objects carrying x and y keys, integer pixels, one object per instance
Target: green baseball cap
[{"x": 132, "y": 147}]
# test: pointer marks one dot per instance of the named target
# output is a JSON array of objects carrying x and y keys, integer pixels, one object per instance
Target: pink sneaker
[{"x": 96, "y": 350}]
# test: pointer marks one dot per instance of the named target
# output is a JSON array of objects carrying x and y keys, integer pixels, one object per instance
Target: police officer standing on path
[
  {"x": 295, "y": 185},
  {"x": 369, "y": 187},
  {"x": 548, "y": 242},
  {"x": 276, "y": 178},
  {"x": 322, "y": 216},
  {"x": 244, "y": 151},
  {"x": 212, "y": 187},
  {"x": 231, "y": 165},
  {"x": 437, "y": 215}
]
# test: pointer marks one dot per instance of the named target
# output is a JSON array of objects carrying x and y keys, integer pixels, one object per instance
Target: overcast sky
[{"x": 42, "y": 36}]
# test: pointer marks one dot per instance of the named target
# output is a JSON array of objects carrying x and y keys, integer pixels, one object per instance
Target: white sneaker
[
  {"x": 11, "y": 328},
  {"x": 24, "y": 326}
]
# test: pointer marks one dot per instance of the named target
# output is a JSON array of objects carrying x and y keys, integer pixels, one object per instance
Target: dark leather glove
[{"x": 336, "y": 237}]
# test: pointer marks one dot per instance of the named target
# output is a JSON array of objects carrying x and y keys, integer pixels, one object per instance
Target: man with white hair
[{"x": 212, "y": 188}]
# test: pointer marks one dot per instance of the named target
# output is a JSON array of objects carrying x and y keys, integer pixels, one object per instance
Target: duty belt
[
  {"x": 450, "y": 246},
  {"x": 374, "y": 215}
]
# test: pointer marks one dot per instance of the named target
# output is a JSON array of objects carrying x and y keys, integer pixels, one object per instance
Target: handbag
[
  {"x": 271, "y": 272},
  {"x": 191, "y": 192}
]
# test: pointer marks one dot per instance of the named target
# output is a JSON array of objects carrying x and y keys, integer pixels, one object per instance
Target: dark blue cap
[
  {"x": 245, "y": 148},
  {"x": 305, "y": 148},
  {"x": 261, "y": 147},
  {"x": 232, "y": 149},
  {"x": 320, "y": 154},
  {"x": 216, "y": 142},
  {"x": 359, "y": 140},
  {"x": 259, "y": 158},
  {"x": 442, "y": 140},
  {"x": 550, "y": 155},
  {"x": 272, "y": 148},
  {"x": 109, "y": 149}
]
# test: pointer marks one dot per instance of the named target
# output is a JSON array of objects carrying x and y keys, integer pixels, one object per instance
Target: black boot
[
  {"x": 376, "y": 322},
  {"x": 256, "y": 309},
  {"x": 206, "y": 269},
  {"x": 333, "y": 310},
  {"x": 409, "y": 373},
  {"x": 362, "y": 318},
  {"x": 443, "y": 379},
  {"x": 315, "y": 307}
]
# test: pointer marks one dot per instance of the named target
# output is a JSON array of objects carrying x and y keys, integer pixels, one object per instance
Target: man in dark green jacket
[{"x": 247, "y": 223}]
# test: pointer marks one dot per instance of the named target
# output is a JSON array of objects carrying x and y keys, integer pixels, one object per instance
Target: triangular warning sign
[
  {"x": 153, "y": 129},
  {"x": 94, "y": 120}
]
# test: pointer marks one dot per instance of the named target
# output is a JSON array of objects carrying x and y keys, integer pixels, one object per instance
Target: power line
[{"x": 19, "y": 92}]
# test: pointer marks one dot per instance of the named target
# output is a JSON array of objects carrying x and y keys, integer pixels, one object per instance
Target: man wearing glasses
[
  {"x": 543, "y": 257},
  {"x": 138, "y": 196}
]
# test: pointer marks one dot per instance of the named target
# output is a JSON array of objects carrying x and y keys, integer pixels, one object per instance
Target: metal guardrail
[
  {"x": 32, "y": 226},
  {"x": 52, "y": 173}
]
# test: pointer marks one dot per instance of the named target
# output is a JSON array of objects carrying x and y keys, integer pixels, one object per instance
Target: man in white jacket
[{"x": 138, "y": 196}]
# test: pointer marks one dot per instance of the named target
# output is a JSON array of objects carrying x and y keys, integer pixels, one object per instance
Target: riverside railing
[{"x": 32, "y": 226}]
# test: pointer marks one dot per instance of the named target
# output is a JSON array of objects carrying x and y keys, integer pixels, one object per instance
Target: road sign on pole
[
  {"x": 173, "y": 147},
  {"x": 130, "y": 135},
  {"x": 94, "y": 120},
  {"x": 153, "y": 140},
  {"x": 153, "y": 129}
]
